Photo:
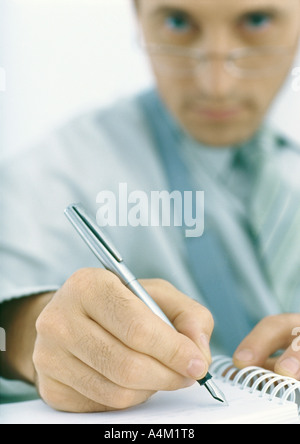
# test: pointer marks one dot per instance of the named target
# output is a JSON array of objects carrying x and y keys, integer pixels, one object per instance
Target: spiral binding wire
[{"x": 258, "y": 380}]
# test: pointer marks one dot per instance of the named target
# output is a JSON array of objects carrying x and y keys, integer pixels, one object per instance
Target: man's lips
[{"x": 217, "y": 113}]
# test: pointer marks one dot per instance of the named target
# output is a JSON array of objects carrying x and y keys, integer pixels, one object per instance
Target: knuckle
[
  {"x": 47, "y": 361},
  {"x": 137, "y": 333},
  {"x": 41, "y": 324},
  {"x": 80, "y": 285},
  {"x": 163, "y": 284},
  {"x": 39, "y": 359},
  {"x": 51, "y": 395},
  {"x": 91, "y": 289},
  {"x": 59, "y": 400},
  {"x": 204, "y": 317},
  {"x": 178, "y": 353},
  {"x": 91, "y": 278},
  {"x": 45, "y": 393},
  {"x": 130, "y": 370},
  {"x": 90, "y": 383},
  {"x": 280, "y": 322},
  {"x": 65, "y": 398},
  {"x": 52, "y": 324},
  {"x": 207, "y": 315},
  {"x": 123, "y": 399},
  {"x": 109, "y": 281},
  {"x": 80, "y": 279},
  {"x": 270, "y": 321},
  {"x": 109, "y": 290},
  {"x": 157, "y": 284},
  {"x": 45, "y": 323},
  {"x": 114, "y": 396},
  {"x": 98, "y": 353}
]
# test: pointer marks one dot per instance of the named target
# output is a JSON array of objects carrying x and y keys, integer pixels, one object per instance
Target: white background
[{"x": 64, "y": 56}]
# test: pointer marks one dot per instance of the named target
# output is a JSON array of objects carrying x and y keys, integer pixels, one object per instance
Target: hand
[
  {"x": 100, "y": 348},
  {"x": 273, "y": 334}
]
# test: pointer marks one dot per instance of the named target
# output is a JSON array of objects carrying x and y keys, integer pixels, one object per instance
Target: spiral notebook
[{"x": 254, "y": 395}]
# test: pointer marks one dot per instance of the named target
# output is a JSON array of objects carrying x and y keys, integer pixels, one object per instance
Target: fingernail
[
  {"x": 245, "y": 355},
  {"x": 196, "y": 368},
  {"x": 290, "y": 365}
]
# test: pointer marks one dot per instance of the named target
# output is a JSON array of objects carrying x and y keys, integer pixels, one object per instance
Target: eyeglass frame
[{"x": 234, "y": 54}]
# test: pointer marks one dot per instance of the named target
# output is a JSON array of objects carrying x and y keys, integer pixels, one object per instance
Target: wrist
[{"x": 18, "y": 318}]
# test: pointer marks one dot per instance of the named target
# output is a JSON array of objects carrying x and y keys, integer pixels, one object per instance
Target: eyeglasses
[{"x": 240, "y": 62}]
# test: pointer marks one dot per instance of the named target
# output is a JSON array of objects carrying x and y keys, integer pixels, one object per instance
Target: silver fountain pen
[{"x": 111, "y": 259}]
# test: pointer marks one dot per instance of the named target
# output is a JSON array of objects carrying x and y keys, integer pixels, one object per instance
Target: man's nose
[{"x": 214, "y": 80}]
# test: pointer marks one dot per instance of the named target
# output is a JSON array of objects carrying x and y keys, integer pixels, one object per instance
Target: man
[{"x": 96, "y": 347}]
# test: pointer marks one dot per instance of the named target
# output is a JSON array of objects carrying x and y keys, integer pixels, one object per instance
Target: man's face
[{"x": 217, "y": 107}]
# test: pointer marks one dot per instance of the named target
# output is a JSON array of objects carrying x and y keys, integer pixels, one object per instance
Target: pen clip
[{"x": 78, "y": 212}]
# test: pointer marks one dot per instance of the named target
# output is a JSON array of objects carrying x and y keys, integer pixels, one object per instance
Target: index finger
[
  {"x": 188, "y": 316},
  {"x": 270, "y": 335}
]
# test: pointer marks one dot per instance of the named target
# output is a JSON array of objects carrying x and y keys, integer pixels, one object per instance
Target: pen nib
[{"x": 215, "y": 392}]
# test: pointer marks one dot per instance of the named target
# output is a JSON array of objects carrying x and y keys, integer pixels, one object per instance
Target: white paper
[{"x": 193, "y": 405}]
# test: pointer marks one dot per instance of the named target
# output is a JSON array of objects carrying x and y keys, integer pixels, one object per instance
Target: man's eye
[
  {"x": 178, "y": 23},
  {"x": 257, "y": 21}
]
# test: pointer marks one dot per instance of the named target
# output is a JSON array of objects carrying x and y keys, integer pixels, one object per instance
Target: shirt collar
[{"x": 215, "y": 160}]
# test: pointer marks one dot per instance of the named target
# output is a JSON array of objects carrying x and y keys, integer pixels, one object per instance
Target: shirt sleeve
[
  {"x": 16, "y": 391},
  {"x": 96, "y": 151},
  {"x": 38, "y": 248}
]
